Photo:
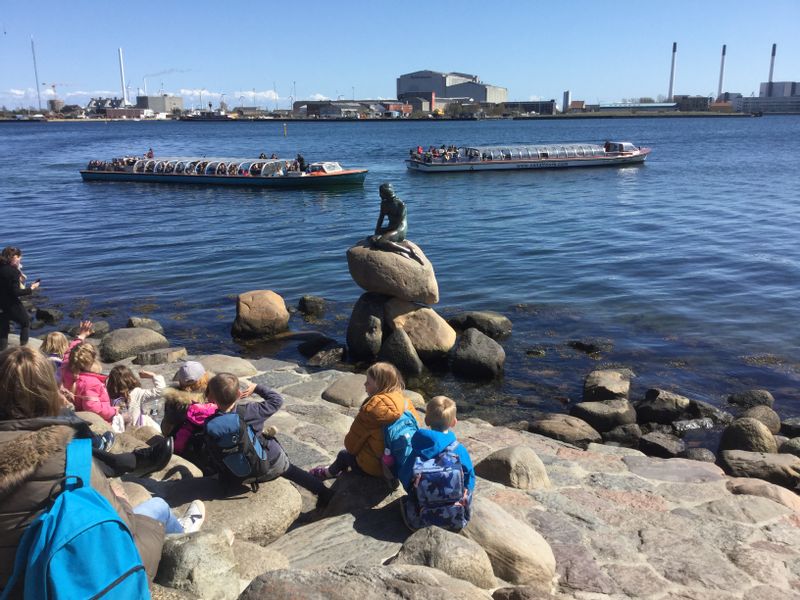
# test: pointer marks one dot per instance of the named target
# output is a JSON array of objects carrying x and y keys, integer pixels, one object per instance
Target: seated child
[
  {"x": 125, "y": 388},
  {"x": 55, "y": 345},
  {"x": 192, "y": 380},
  {"x": 87, "y": 387},
  {"x": 364, "y": 443},
  {"x": 223, "y": 390},
  {"x": 439, "y": 478}
]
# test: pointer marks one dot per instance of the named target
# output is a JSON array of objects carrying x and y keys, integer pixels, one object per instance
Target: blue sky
[{"x": 261, "y": 52}]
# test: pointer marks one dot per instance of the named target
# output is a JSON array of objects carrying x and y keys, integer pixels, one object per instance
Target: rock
[
  {"x": 161, "y": 356},
  {"x": 97, "y": 423},
  {"x": 328, "y": 357},
  {"x": 699, "y": 454},
  {"x": 791, "y": 427},
  {"x": 398, "y": 350},
  {"x": 624, "y": 435},
  {"x": 752, "y": 398},
  {"x": 347, "y": 390},
  {"x": 456, "y": 555},
  {"x": 430, "y": 334},
  {"x": 681, "y": 427},
  {"x": 758, "y": 487},
  {"x": 591, "y": 347},
  {"x": 522, "y": 592},
  {"x": 354, "y": 492},
  {"x": 314, "y": 344},
  {"x": 221, "y": 363},
  {"x": 791, "y": 446},
  {"x": 49, "y": 315},
  {"x": 661, "y": 445},
  {"x": 606, "y": 385},
  {"x": 393, "y": 274},
  {"x": 749, "y": 435},
  {"x": 260, "y": 314},
  {"x": 519, "y": 554},
  {"x": 673, "y": 469},
  {"x": 122, "y": 343},
  {"x": 311, "y": 306},
  {"x": 516, "y": 466},
  {"x": 704, "y": 410},
  {"x": 566, "y": 429},
  {"x": 145, "y": 322},
  {"x": 99, "y": 329},
  {"x": 766, "y": 415},
  {"x": 493, "y": 324},
  {"x": 401, "y": 582},
  {"x": 252, "y": 560},
  {"x": 662, "y": 406},
  {"x": 605, "y": 415},
  {"x": 780, "y": 469},
  {"x": 477, "y": 356},
  {"x": 201, "y": 563},
  {"x": 365, "y": 329}
]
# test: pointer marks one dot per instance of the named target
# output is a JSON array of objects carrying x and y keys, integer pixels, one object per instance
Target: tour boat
[
  {"x": 257, "y": 172},
  {"x": 512, "y": 157}
]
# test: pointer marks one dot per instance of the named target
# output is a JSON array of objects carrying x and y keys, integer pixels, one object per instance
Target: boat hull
[
  {"x": 514, "y": 165},
  {"x": 344, "y": 178}
]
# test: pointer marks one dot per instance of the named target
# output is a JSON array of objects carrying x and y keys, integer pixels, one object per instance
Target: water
[{"x": 686, "y": 269}]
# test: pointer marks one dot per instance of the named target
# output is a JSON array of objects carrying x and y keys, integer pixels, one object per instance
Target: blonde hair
[
  {"x": 223, "y": 390},
  {"x": 121, "y": 380},
  {"x": 55, "y": 342},
  {"x": 198, "y": 386},
  {"x": 440, "y": 413},
  {"x": 386, "y": 376},
  {"x": 82, "y": 358},
  {"x": 28, "y": 385}
]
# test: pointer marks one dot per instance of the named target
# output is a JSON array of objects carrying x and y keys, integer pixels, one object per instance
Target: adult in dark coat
[{"x": 12, "y": 288}]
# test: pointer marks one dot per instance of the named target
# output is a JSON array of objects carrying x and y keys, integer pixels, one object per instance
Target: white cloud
[
  {"x": 15, "y": 93},
  {"x": 318, "y": 97}
]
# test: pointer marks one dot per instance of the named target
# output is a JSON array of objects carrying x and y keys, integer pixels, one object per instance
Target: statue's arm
[{"x": 380, "y": 221}]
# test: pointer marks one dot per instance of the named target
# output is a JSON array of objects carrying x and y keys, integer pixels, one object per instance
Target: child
[
  {"x": 87, "y": 387},
  {"x": 436, "y": 450},
  {"x": 55, "y": 346},
  {"x": 124, "y": 385},
  {"x": 223, "y": 390},
  {"x": 363, "y": 444},
  {"x": 192, "y": 380}
]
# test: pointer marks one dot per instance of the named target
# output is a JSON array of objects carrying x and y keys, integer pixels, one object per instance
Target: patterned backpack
[{"x": 438, "y": 496}]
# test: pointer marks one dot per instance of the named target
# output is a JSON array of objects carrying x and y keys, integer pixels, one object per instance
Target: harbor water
[{"x": 685, "y": 270}]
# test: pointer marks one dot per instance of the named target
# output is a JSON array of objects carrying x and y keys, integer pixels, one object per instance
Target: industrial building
[
  {"x": 430, "y": 85},
  {"x": 773, "y": 97},
  {"x": 160, "y": 104}
]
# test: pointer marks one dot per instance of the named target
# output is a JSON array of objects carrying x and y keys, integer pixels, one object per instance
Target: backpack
[
  {"x": 397, "y": 440},
  {"x": 438, "y": 496},
  {"x": 236, "y": 450},
  {"x": 61, "y": 554}
]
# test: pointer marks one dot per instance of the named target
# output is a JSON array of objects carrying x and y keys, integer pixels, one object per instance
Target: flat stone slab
[
  {"x": 347, "y": 391},
  {"x": 162, "y": 356},
  {"x": 673, "y": 469},
  {"x": 219, "y": 363},
  {"x": 277, "y": 380}
]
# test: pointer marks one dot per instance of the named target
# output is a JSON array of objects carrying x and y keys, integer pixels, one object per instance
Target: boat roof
[
  {"x": 213, "y": 159},
  {"x": 533, "y": 147}
]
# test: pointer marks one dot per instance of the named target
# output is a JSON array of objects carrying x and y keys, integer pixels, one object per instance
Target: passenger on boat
[
  {"x": 262, "y": 156},
  {"x": 301, "y": 163},
  {"x": 392, "y": 236},
  {"x": 150, "y": 153},
  {"x": 274, "y": 156}
]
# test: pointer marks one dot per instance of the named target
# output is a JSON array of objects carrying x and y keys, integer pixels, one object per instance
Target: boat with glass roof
[
  {"x": 514, "y": 157},
  {"x": 280, "y": 173}
]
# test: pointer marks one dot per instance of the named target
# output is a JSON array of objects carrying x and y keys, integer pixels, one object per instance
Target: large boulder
[
  {"x": 393, "y": 274},
  {"x": 122, "y": 343},
  {"x": 451, "y": 553},
  {"x": 398, "y": 350},
  {"x": 145, "y": 322},
  {"x": 566, "y": 429},
  {"x": 202, "y": 564},
  {"x": 489, "y": 323},
  {"x": 757, "y": 487},
  {"x": 766, "y": 415},
  {"x": 751, "y": 398},
  {"x": 519, "y": 554},
  {"x": 477, "y": 356},
  {"x": 780, "y": 469},
  {"x": 430, "y": 334},
  {"x": 606, "y": 384},
  {"x": 220, "y": 363},
  {"x": 348, "y": 390},
  {"x": 365, "y": 329},
  {"x": 515, "y": 466},
  {"x": 662, "y": 445},
  {"x": 260, "y": 314},
  {"x": 662, "y": 406},
  {"x": 748, "y": 434},
  {"x": 605, "y": 415}
]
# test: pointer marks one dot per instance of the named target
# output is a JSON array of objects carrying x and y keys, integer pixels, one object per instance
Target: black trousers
[{"x": 19, "y": 315}]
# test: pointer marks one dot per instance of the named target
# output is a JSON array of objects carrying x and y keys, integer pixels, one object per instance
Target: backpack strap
[
  {"x": 79, "y": 464},
  {"x": 452, "y": 447}
]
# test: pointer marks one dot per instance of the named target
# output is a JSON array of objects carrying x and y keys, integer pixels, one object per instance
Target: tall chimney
[
  {"x": 672, "y": 71},
  {"x": 122, "y": 78},
  {"x": 771, "y": 68},
  {"x": 721, "y": 73},
  {"x": 567, "y": 100}
]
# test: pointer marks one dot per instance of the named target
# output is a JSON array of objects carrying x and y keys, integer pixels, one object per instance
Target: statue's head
[{"x": 386, "y": 190}]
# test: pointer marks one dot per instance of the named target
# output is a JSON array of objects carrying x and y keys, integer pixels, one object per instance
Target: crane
[{"x": 53, "y": 87}]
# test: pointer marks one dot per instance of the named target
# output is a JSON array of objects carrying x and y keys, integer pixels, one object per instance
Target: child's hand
[
  {"x": 247, "y": 391},
  {"x": 146, "y": 374},
  {"x": 86, "y": 328}
]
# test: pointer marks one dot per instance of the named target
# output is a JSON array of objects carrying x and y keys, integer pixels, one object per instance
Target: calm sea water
[{"x": 686, "y": 269}]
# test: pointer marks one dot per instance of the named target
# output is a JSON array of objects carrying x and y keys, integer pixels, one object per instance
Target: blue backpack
[
  {"x": 397, "y": 440},
  {"x": 79, "y": 547},
  {"x": 236, "y": 450},
  {"x": 438, "y": 495}
]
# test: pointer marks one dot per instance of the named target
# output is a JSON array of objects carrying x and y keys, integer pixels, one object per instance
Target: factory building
[
  {"x": 160, "y": 104},
  {"x": 773, "y": 97},
  {"x": 430, "y": 85}
]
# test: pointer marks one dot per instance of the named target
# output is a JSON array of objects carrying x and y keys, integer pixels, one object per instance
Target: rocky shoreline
[{"x": 552, "y": 519}]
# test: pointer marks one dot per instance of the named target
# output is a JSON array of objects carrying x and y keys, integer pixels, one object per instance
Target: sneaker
[
  {"x": 193, "y": 518},
  {"x": 322, "y": 473},
  {"x": 153, "y": 458},
  {"x": 107, "y": 440}
]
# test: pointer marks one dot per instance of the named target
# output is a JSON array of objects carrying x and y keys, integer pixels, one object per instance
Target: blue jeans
[{"x": 158, "y": 509}]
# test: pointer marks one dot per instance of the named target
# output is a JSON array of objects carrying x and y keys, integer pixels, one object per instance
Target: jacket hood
[
  {"x": 429, "y": 443},
  {"x": 184, "y": 398}
]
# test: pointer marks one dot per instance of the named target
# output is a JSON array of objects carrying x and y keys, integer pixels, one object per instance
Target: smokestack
[
  {"x": 672, "y": 71},
  {"x": 771, "y": 68},
  {"x": 721, "y": 73},
  {"x": 566, "y": 101},
  {"x": 122, "y": 78}
]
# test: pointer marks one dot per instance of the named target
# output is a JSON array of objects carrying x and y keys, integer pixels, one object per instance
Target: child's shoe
[
  {"x": 193, "y": 518},
  {"x": 322, "y": 473}
]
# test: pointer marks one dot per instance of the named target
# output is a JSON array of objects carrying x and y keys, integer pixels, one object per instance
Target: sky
[{"x": 268, "y": 53}]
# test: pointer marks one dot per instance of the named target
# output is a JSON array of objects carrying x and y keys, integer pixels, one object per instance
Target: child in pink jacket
[{"x": 78, "y": 377}]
